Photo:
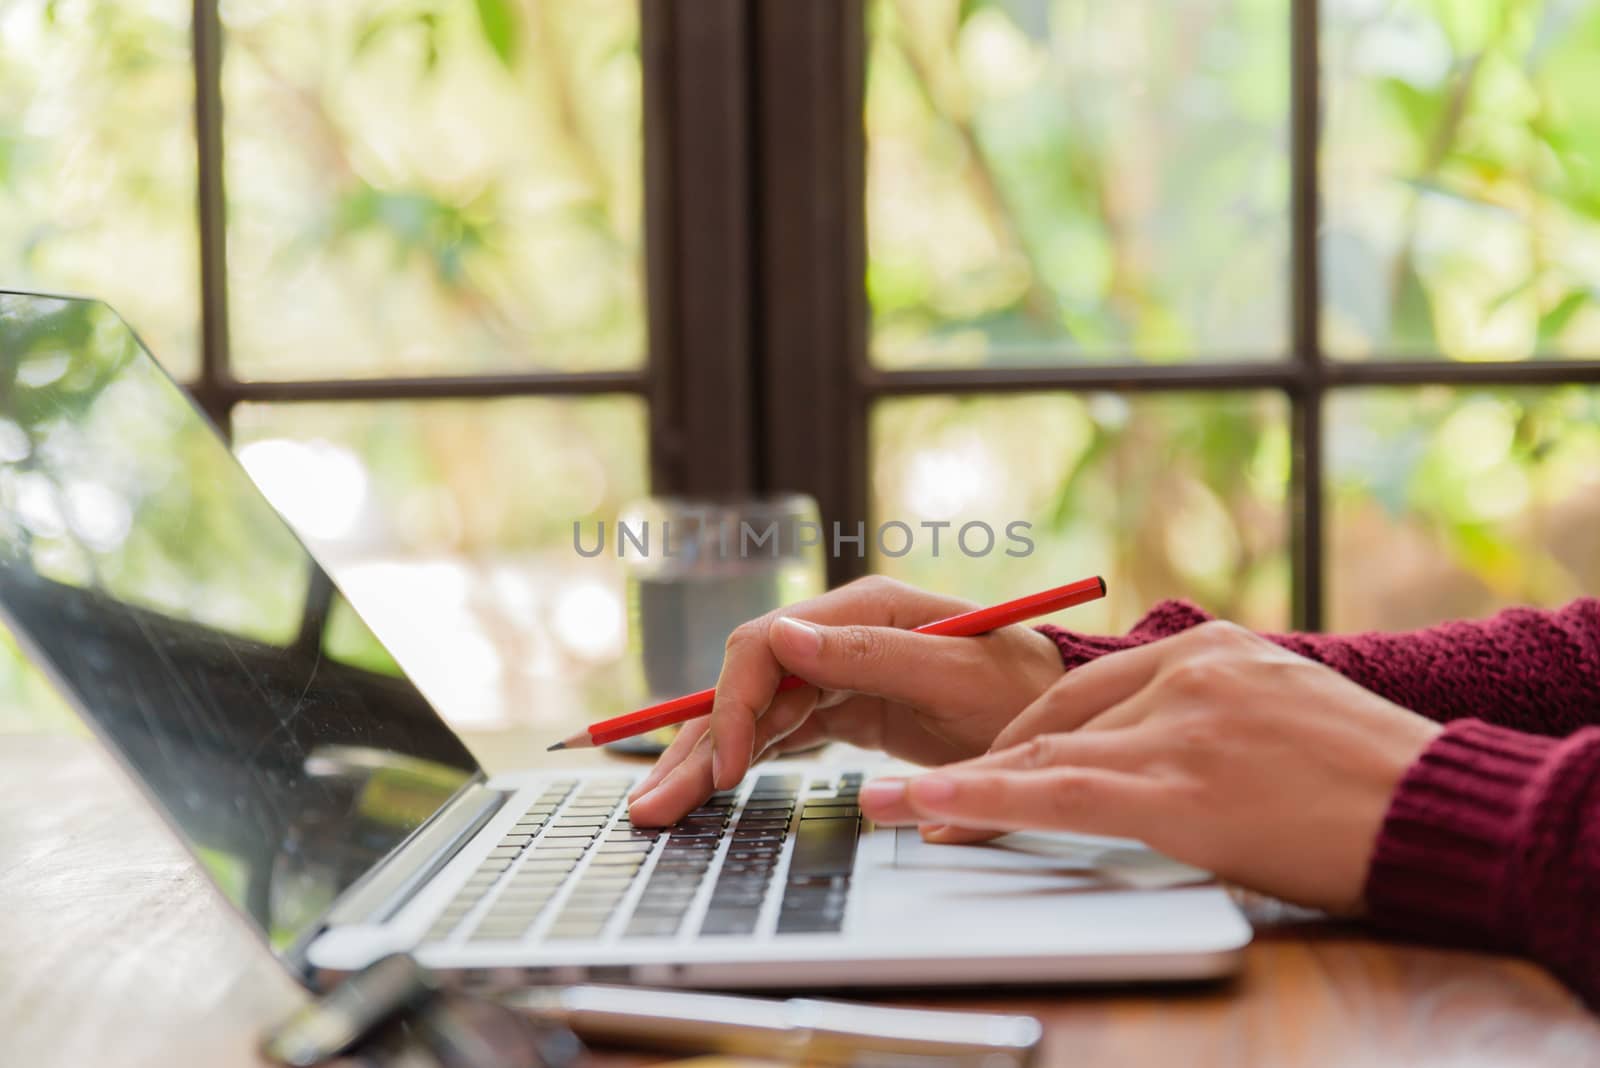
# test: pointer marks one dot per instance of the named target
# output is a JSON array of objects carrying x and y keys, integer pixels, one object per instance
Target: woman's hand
[
  {"x": 1214, "y": 746},
  {"x": 923, "y": 698}
]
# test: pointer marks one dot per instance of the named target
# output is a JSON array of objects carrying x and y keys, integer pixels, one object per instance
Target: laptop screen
[{"x": 145, "y": 572}]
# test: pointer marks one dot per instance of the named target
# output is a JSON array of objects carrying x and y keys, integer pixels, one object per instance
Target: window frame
[
  {"x": 806, "y": 87},
  {"x": 758, "y": 374},
  {"x": 693, "y": 448}
]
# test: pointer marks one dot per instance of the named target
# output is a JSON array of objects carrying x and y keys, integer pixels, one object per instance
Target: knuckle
[
  {"x": 1071, "y": 795},
  {"x": 745, "y": 634},
  {"x": 873, "y": 584},
  {"x": 1221, "y": 634},
  {"x": 1037, "y": 752},
  {"x": 1194, "y": 675},
  {"x": 1198, "y": 731},
  {"x": 859, "y": 644}
]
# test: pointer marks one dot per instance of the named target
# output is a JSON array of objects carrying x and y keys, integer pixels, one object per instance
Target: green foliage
[
  {"x": 419, "y": 187},
  {"x": 1077, "y": 220},
  {"x": 499, "y": 27}
]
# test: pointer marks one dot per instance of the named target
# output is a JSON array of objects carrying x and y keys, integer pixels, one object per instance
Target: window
[
  {"x": 1125, "y": 286},
  {"x": 1286, "y": 306},
  {"x": 425, "y": 332},
  {"x": 97, "y": 162}
]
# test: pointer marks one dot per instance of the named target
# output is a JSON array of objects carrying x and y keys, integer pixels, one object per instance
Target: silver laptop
[{"x": 146, "y": 575}]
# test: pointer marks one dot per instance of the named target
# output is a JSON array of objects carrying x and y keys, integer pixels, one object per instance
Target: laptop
[{"x": 144, "y": 573}]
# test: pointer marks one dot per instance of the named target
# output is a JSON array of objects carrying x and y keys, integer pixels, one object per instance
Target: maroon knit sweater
[{"x": 1492, "y": 837}]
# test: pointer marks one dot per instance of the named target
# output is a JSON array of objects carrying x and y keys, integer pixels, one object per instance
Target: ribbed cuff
[
  {"x": 1450, "y": 839},
  {"x": 1165, "y": 619}
]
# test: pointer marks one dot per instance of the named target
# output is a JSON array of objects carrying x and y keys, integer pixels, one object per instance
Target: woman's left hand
[{"x": 1214, "y": 746}]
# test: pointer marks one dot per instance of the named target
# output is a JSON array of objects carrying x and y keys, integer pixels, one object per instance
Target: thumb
[{"x": 900, "y": 665}]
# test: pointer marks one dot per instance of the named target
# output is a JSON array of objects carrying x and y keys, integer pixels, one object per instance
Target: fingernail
[
  {"x": 883, "y": 792},
  {"x": 929, "y": 830},
  {"x": 716, "y": 767},
  {"x": 932, "y": 790},
  {"x": 801, "y": 636}
]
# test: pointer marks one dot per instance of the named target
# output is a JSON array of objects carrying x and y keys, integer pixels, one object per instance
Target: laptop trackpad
[{"x": 1075, "y": 861}]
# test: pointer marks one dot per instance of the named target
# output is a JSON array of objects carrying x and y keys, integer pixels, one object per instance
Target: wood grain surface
[{"x": 114, "y": 950}]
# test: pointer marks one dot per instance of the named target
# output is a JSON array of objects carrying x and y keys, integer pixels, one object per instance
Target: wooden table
[{"x": 114, "y": 950}]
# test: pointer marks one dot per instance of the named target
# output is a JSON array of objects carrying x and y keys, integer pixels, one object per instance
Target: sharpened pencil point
[{"x": 558, "y": 745}]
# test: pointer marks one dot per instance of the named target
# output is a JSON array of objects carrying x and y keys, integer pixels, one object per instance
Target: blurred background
[{"x": 1288, "y": 308}]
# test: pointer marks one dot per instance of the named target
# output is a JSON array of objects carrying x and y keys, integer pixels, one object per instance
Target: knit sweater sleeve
[
  {"x": 1492, "y": 837},
  {"x": 1536, "y": 671}
]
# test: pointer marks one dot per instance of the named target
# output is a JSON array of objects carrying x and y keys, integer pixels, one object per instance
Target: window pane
[
  {"x": 1165, "y": 496},
  {"x": 97, "y": 162},
  {"x": 1450, "y": 503},
  {"x": 449, "y": 524},
  {"x": 1458, "y": 168},
  {"x": 1077, "y": 181},
  {"x": 433, "y": 188}
]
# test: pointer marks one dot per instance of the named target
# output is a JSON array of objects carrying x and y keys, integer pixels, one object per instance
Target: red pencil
[{"x": 966, "y": 625}]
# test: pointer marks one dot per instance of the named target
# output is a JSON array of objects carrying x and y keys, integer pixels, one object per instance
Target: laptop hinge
[{"x": 391, "y": 885}]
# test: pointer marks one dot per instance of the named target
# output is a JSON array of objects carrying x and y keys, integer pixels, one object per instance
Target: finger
[
  {"x": 787, "y": 712},
  {"x": 1130, "y": 749},
  {"x": 750, "y": 672},
  {"x": 883, "y": 800},
  {"x": 855, "y": 721},
  {"x": 900, "y": 665},
  {"x": 944, "y": 834},
  {"x": 1087, "y": 800},
  {"x": 688, "y": 737},
  {"x": 749, "y": 678},
  {"x": 683, "y": 788},
  {"x": 783, "y": 718},
  {"x": 1127, "y": 752},
  {"x": 812, "y": 732},
  {"x": 887, "y": 801},
  {"x": 1085, "y": 692}
]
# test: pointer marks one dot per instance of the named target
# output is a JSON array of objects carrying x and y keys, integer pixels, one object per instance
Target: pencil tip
[{"x": 558, "y": 745}]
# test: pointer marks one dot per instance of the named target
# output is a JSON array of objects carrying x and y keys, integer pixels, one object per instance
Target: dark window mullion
[
  {"x": 444, "y": 387},
  {"x": 1119, "y": 378},
  {"x": 206, "y": 42},
  {"x": 811, "y": 334},
  {"x": 1307, "y": 533},
  {"x": 699, "y": 245}
]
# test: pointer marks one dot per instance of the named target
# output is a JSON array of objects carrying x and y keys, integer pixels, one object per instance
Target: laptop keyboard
[{"x": 573, "y": 866}]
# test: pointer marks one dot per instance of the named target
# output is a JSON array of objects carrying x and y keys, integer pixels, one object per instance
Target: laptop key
[
  {"x": 809, "y": 923},
  {"x": 829, "y": 809},
  {"x": 824, "y": 847},
  {"x": 576, "y": 930},
  {"x": 650, "y": 926},
  {"x": 552, "y": 851},
  {"x": 730, "y": 922},
  {"x": 626, "y": 847},
  {"x": 616, "y": 860}
]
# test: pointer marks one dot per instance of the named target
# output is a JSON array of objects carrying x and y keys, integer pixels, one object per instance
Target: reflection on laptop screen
[{"x": 141, "y": 566}]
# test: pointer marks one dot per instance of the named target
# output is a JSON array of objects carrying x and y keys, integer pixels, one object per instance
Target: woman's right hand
[{"x": 873, "y": 683}]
